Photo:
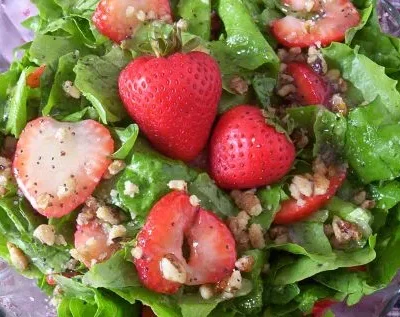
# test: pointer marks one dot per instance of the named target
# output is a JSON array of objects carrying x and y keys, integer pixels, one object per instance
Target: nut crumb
[
  {"x": 17, "y": 257},
  {"x": 178, "y": 185}
]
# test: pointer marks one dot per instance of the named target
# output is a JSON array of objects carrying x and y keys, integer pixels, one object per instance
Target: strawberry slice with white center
[
  {"x": 333, "y": 18},
  {"x": 160, "y": 257},
  {"x": 91, "y": 243},
  {"x": 119, "y": 19},
  {"x": 57, "y": 165}
]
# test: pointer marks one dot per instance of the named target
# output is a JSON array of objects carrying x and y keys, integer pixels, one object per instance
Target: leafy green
[
  {"x": 308, "y": 265},
  {"x": 114, "y": 273},
  {"x": 368, "y": 80},
  {"x": 17, "y": 111},
  {"x": 311, "y": 236},
  {"x": 386, "y": 195},
  {"x": 347, "y": 211},
  {"x": 151, "y": 172},
  {"x": 351, "y": 283},
  {"x": 46, "y": 49},
  {"x": 59, "y": 104},
  {"x": 127, "y": 137},
  {"x": 264, "y": 86},
  {"x": 97, "y": 78},
  {"x": 373, "y": 143},
  {"x": 198, "y": 16},
  {"x": 386, "y": 265},
  {"x": 329, "y": 131},
  {"x": 211, "y": 197},
  {"x": 270, "y": 198}
]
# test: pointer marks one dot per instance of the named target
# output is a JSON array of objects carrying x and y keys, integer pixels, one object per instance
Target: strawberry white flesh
[{"x": 57, "y": 165}]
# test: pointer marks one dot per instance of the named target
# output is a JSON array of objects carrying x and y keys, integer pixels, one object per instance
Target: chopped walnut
[
  {"x": 247, "y": 201},
  {"x": 256, "y": 236},
  {"x": 67, "y": 189},
  {"x": 206, "y": 291},
  {"x": 321, "y": 184},
  {"x": 238, "y": 227},
  {"x": 345, "y": 231},
  {"x": 46, "y": 234},
  {"x": 245, "y": 263},
  {"x": 107, "y": 214},
  {"x": 303, "y": 184},
  {"x": 178, "y": 185},
  {"x": 239, "y": 85},
  {"x": 114, "y": 168},
  {"x": 194, "y": 200},
  {"x": 279, "y": 234},
  {"x": 17, "y": 257},
  {"x": 137, "y": 252},
  {"x": 172, "y": 269},
  {"x": 117, "y": 231},
  {"x": 130, "y": 189},
  {"x": 234, "y": 283}
]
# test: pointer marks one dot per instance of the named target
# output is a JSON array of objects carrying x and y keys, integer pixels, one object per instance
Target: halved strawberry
[
  {"x": 311, "y": 87},
  {"x": 330, "y": 23},
  {"x": 172, "y": 220},
  {"x": 91, "y": 243},
  {"x": 57, "y": 165},
  {"x": 33, "y": 79},
  {"x": 119, "y": 19},
  {"x": 291, "y": 211}
]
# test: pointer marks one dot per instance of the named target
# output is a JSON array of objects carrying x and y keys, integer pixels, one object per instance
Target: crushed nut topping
[
  {"x": 239, "y": 85},
  {"x": 172, "y": 269},
  {"x": 130, "y": 189},
  {"x": 107, "y": 214},
  {"x": 194, "y": 200},
  {"x": 256, "y": 236},
  {"x": 247, "y": 201},
  {"x": 279, "y": 234},
  {"x": 245, "y": 263},
  {"x": 114, "y": 168},
  {"x": 67, "y": 189},
  {"x": 234, "y": 283},
  {"x": 17, "y": 257},
  {"x": 177, "y": 185},
  {"x": 137, "y": 252},
  {"x": 118, "y": 231},
  {"x": 345, "y": 231},
  {"x": 71, "y": 90},
  {"x": 206, "y": 291}
]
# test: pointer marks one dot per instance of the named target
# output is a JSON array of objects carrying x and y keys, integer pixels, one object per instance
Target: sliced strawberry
[
  {"x": 172, "y": 220},
  {"x": 334, "y": 18},
  {"x": 311, "y": 87},
  {"x": 212, "y": 253},
  {"x": 91, "y": 243},
  {"x": 119, "y": 19},
  {"x": 292, "y": 211},
  {"x": 58, "y": 164},
  {"x": 321, "y": 306},
  {"x": 33, "y": 79}
]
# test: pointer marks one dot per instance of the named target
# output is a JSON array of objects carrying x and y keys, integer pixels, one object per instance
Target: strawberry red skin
[
  {"x": 291, "y": 212},
  {"x": 112, "y": 19},
  {"x": 213, "y": 252},
  {"x": 321, "y": 306},
  {"x": 174, "y": 100},
  {"x": 33, "y": 79},
  {"x": 246, "y": 152},
  {"x": 311, "y": 87}
]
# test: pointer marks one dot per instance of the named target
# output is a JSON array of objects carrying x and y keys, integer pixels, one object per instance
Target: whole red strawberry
[
  {"x": 174, "y": 100},
  {"x": 247, "y": 152}
]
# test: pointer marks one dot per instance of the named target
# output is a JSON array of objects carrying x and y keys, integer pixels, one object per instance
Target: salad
[{"x": 202, "y": 158}]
